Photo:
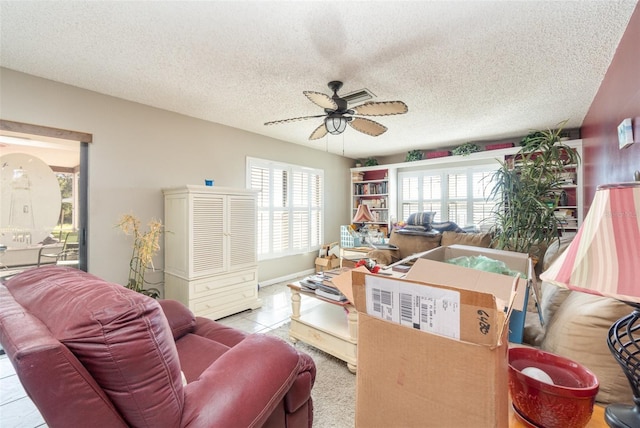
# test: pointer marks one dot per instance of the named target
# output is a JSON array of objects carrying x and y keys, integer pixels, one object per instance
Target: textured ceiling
[{"x": 480, "y": 70}]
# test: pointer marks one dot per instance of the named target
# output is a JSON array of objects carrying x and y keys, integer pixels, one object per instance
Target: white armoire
[{"x": 210, "y": 249}]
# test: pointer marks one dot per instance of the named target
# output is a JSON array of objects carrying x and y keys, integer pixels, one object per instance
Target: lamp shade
[
  {"x": 604, "y": 257},
  {"x": 363, "y": 214},
  {"x": 335, "y": 124}
]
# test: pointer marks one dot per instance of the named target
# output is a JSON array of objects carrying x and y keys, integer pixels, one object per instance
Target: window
[
  {"x": 290, "y": 207},
  {"x": 459, "y": 195}
]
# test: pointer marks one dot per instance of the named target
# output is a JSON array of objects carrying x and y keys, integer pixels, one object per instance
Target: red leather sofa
[{"x": 93, "y": 353}]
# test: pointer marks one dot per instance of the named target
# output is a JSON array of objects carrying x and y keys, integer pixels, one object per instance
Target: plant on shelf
[
  {"x": 145, "y": 246},
  {"x": 414, "y": 155},
  {"x": 531, "y": 136},
  {"x": 466, "y": 149},
  {"x": 371, "y": 162},
  {"x": 527, "y": 194}
]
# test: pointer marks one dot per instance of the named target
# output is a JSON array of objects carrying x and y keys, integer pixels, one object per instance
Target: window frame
[
  {"x": 299, "y": 207},
  {"x": 442, "y": 205}
]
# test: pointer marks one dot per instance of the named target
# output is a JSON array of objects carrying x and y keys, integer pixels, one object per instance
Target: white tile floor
[{"x": 17, "y": 410}]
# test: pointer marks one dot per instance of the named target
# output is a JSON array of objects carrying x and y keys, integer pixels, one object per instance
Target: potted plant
[
  {"x": 528, "y": 193},
  {"x": 414, "y": 155},
  {"x": 145, "y": 246},
  {"x": 466, "y": 149},
  {"x": 371, "y": 162}
]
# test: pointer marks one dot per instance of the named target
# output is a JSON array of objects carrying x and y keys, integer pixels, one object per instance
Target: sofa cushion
[
  {"x": 121, "y": 337},
  {"x": 579, "y": 331},
  {"x": 474, "y": 239},
  {"x": 551, "y": 298},
  {"x": 554, "y": 250}
]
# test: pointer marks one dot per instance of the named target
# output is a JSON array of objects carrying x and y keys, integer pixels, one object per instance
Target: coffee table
[{"x": 325, "y": 324}]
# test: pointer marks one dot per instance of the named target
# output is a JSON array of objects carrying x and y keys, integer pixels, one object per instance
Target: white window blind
[
  {"x": 290, "y": 207},
  {"x": 459, "y": 195}
]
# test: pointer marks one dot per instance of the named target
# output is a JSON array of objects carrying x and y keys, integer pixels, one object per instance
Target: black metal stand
[{"x": 624, "y": 346}]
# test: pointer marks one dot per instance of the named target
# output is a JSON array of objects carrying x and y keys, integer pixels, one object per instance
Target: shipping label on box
[{"x": 435, "y": 310}]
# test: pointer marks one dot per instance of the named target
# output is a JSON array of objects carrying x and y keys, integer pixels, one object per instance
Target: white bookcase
[{"x": 210, "y": 249}]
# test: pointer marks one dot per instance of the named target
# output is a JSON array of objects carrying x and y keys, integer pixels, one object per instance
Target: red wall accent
[{"x": 618, "y": 98}]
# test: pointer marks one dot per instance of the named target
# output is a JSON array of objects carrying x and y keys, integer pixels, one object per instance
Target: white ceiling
[{"x": 468, "y": 70}]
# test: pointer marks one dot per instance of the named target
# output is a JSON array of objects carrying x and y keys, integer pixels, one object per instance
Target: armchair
[{"x": 88, "y": 350}]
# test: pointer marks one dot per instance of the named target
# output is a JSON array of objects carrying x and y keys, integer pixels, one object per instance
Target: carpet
[{"x": 334, "y": 393}]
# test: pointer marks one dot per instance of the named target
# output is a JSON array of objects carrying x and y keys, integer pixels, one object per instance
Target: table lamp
[
  {"x": 363, "y": 215},
  {"x": 604, "y": 259}
]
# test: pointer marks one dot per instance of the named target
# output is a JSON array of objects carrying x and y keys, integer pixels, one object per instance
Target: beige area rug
[{"x": 334, "y": 393}]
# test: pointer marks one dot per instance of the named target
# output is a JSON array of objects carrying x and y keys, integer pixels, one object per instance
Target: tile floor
[{"x": 17, "y": 410}]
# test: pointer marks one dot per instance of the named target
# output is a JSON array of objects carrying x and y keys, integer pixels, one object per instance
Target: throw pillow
[
  {"x": 579, "y": 332},
  {"x": 424, "y": 218}
]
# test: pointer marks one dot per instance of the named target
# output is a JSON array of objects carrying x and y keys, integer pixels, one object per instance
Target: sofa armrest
[{"x": 244, "y": 386}]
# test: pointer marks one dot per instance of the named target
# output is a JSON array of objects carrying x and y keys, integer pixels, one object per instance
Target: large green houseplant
[{"x": 527, "y": 192}]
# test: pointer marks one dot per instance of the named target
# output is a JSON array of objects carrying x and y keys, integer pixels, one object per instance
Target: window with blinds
[
  {"x": 460, "y": 195},
  {"x": 290, "y": 207}
]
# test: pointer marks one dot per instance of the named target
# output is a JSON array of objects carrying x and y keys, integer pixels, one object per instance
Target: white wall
[{"x": 138, "y": 150}]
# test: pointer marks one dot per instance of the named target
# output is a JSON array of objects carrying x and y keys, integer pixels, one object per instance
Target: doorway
[{"x": 65, "y": 155}]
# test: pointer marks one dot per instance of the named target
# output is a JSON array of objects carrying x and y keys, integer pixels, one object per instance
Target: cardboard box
[
  {"x": 430, "y": 269},
  {"x": 414, "y": 378},
  {"x": 326, "y": 263}
]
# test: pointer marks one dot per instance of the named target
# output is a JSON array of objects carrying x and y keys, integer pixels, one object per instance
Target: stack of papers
[{"x": 321, "y": 285}]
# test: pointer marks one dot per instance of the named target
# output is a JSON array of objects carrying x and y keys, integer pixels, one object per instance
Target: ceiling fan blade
[
  {"x": 319, "y": 132},
  {"x": 322, "y": 100},
  {"x": 367, "y": 126},
  {"x": 294, "y": 119},
  {"x": 381, "y": 108}
]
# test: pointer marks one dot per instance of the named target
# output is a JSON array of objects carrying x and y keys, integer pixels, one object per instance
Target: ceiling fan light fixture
[{"x": 335, "y": 124}]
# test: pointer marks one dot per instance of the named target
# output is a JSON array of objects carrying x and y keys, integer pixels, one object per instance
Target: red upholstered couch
[{"x": 89, "y": 352}]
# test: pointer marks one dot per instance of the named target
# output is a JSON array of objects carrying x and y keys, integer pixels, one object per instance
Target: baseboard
[{"x": 285, "y": 278}]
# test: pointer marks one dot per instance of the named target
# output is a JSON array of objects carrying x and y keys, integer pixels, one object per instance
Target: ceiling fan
[{"x": 337, "y": 115}]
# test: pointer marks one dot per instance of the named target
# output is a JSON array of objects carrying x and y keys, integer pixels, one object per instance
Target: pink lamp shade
[
  {"x": 363, "y": 214},
  {"x": 604, "y": 257}
]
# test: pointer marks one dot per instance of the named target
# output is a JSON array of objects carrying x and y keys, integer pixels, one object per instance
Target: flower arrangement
[
  {"x": 145, "y": 246},
  {"x": 369, "y": 264}
]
